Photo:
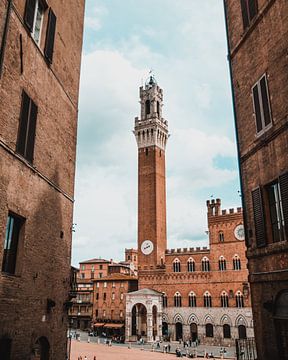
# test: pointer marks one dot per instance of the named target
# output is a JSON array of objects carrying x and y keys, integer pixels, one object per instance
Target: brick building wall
[
  {"x": 258, "y": 42},
  {"x": 39, "y": 190},
  {"x": 184, "y": 280}
]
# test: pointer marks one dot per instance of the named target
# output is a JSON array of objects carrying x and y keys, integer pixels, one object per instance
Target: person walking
[{"x": 94, "y": 357}]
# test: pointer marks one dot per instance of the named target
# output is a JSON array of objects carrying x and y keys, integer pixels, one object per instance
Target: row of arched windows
[
  {"x": 207, "y": 299},
  {"x": 205, "y": 264},
  {"x": 209, "y": 331}
]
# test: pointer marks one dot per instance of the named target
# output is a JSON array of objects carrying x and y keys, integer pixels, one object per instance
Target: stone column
[
  {"x": 149, "y": 326},
  {"x": 159, "y": 326},
  {"x": 128, "y": 325}
]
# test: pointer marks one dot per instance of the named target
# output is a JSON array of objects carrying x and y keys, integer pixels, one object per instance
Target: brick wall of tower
[
  {"x": 41, "y": 192},
  {"x": 151, "y": 204}
]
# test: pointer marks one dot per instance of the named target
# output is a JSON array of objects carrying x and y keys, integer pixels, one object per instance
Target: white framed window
[
  {"x": 37, "y": 23},
  {"x": 261, "y": 103},
  {"x": 105, "y": 284}
]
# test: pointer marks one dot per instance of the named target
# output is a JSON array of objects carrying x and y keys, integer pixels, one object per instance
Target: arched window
[
  {"x": 177, "y": 299},
  {"x": 209, "y": 330},
  {"x": 205, "y": 264},
  {"x": 221, "y": 236},
  {"x": 242, "y": 332},
  {"x": 158, "y": 108},
  {"x": 239, "y": 300},
  {"x": 224, "y": 300},
  {"x": 42, "y": 347},
  {"x": 207, "y": 299},
  {"x": 227, "y": 331},
  {"x": 164, "y": 300},
  {"x": 192, "y": 299},
  {"x": 191, "y": 265},
  {"x": 236, "y": 263},
  {"x": 222, "y": 263},
  {"x": 176, "y": 265},
  {"x": 147, "y": 107}
]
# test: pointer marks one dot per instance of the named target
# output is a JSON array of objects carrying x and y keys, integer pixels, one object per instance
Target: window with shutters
[
  {"x": 261, "y": 104},
  {"x": 11, "y": 243},
  {"x": 33, "y": 18},
  {"x": 27, "y": 128},
  {"x": 249, "y": 11},
  {"x": 276, "y": 212}
]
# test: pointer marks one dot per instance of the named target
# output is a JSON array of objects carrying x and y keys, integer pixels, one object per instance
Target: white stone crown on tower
[{"x": 151, "y": 129}]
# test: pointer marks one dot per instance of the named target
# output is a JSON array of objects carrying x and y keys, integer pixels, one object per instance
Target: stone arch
[
  {"x": 42, "y": 348},
  {"x": 165, "y": 318},
  {"x": 193, "y": 319},
  {"x": 225, "y": 319},
  {"x": 240, "y": 320},
  {"x": 208, "y": 319},
  {"x": 178, "y": 318}
]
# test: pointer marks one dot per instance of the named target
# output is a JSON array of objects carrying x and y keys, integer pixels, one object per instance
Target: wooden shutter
[
  {"x": 245, "y": 15},
  {"x": 31, "y": 132},
  {"x": 259, "y": 220},
  {"x": 283, "y": 181},
  {"x": 265, "y": 101},
  {"x": 29, "y": 13},
  {"x": 257, "y": 110},
  {"x": 21, "y": 140},
  {"x": 253, "y": 8},
  {"x": 50, "y": 36}
]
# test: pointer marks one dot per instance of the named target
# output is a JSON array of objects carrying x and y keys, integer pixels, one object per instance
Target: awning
[
  {"x": 98, "y": 324},
  {"x": 113, "y": 326}
]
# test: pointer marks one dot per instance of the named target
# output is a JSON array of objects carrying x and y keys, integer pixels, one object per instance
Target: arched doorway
[
  {"x": 139, "y": 320},
  {"x": 179, "y": 331},
  {"x": 193, "y": 331},
  {"x": 242, "y": 332},
  {"x": 281, "y": 324},
  {"x": 42, "y": 348},
  {"x": 165, "y": 329}
]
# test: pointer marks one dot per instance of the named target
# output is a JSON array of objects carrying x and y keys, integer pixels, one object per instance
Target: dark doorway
[
  {"x": 242, "y": 332},
  {"x": 209, "y": 330},
  {"x": 5, "y": 348},
  {"x": 193, "y": 332},
  {"x": 226, "y": 331},
  {"x": 134, "y": 320},
  {"x": 281, "y": 324},
  {"x": 164, "y": 329},
  {"x": 154, "y": 322},
  {"x": 179, "y": 331},
  {"x": 43, "y": 348}
]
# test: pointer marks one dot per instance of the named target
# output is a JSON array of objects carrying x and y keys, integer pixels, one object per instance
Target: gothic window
[
  {"x": 209, "y": 330},
  {"x": 222, "y": 263},
  {"x": 205, "y": 264},
  {"x": 207, "y": 300},
  {"x": 239, "y": 300},
  {"x": 191, "y": 265},
  {"x": 224, "y": 300},
  {"x": 192, "y": 299},
  {"x": 227, "y": 331},
  {"x": 176, "y": 265},
  {"x": 221, "y": 236},
  {"x": 236, "y": 263},
  {"x": 147, "y": 107},
  {"x": 242, "y": 332},
  {"x": 164, "y": 300},
  {"x": 177, "y": 299}
]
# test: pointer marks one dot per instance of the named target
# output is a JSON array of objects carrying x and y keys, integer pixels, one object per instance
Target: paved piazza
[{"x": 104, "y": 352}]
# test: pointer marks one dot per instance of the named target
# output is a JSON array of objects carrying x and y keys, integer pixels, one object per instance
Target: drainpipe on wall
[{"x": 4, "y": 35}]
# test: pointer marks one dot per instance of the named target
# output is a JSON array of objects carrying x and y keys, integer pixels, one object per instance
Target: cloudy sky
[{"x": 184, "y": 43}]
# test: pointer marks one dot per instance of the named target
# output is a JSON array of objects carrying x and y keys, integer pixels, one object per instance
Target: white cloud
[{"x": 93, "y": 18}]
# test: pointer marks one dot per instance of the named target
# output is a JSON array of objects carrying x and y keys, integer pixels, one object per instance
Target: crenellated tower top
[{"x": 151, "y": 129}]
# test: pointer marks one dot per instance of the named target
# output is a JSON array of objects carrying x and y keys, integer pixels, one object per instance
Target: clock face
[
  {"x": 239, "y": 232},
  {"x": 147, "y": 247}
]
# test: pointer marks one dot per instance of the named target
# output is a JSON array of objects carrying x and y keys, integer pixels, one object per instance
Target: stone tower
[{"x": 151, "y": 132}]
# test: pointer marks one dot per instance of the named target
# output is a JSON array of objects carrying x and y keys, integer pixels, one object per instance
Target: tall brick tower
[{"x": 151, "y": 132}]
